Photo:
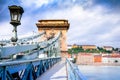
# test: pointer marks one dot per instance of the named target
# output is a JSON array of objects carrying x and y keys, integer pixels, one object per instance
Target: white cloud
[
  {"x": 87, "y": 26},
  {"x": 35, "y": 3},
  {"x": 5, "y": 30},
  {"x": 114, "y": 33},
  {"x": 93, "y": 25}
]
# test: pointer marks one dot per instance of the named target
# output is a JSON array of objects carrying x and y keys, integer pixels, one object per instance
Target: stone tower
[{"x": 53, "y": 27}]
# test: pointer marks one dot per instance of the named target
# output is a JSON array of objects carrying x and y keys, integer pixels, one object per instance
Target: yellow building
[
  {"x": 89, "y": 47},
  {"x": 75, "y": 46}
]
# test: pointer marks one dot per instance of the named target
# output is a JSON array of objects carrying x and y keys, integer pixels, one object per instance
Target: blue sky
[{"x": 91, "y": 21}]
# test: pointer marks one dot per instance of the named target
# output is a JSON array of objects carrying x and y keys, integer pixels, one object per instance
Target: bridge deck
[{"x": 57, "y": 72}]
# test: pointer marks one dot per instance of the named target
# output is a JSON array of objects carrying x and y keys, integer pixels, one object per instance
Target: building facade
[
  {"x": 108, "y": 48},
  {"x": 88, "y": 47},
  {"x": 75, "y": 46},
  {"x": 83, "y": 58},
  {"x": 69, "y": 46}
]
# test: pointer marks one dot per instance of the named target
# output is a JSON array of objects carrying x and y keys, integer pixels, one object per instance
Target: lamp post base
[{"x": 14, "y": 39}]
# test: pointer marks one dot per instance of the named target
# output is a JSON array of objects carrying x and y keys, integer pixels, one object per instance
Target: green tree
[
  {"x": 75, "y": 50},
  {"x": 70, "y": 51}
]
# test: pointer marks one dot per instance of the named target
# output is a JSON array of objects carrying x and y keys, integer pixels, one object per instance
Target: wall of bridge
[{"x": 52, "y": 27}]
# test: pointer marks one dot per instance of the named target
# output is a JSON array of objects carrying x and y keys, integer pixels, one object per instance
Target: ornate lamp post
[{"x": 16, "y": 14}]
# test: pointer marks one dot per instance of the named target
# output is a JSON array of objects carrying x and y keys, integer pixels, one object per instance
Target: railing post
[
  {"x": 30, "y": 75},
  {"x": 27, "y": 73},
  {"x": 4, "y": 73}
]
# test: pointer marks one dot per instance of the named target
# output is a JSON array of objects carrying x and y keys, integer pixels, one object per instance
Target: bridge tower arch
[{"x": 52, "y": 27}]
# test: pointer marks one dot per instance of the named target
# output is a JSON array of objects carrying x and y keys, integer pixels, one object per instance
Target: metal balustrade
[
  {"x": 10, "y": 50},
  {"x": 6, "y": 51},
  {"x": 23, "y": 40},
  {"x": 20, "y": 41},
  {"x": 25, "y": 69},
  {"x": 46, "y": 47},
  {"x": 73, "y": 71}
]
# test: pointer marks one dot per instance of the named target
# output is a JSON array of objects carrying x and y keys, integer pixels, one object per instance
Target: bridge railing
[
  {"x": 25, "y": 69},
  {"x": 6, "y": 51},
  {"x": 23, "y": 40},
  {"x": 20, "y": 41},
  {"x": 73, "y": 71}
]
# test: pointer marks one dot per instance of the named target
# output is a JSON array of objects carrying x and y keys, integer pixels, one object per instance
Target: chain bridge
[{"x": 30, "y": 57}]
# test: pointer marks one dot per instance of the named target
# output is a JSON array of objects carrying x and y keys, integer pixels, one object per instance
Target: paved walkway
[{"x": 57, "y": 72}]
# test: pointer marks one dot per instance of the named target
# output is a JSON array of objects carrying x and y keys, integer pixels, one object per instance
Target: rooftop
[{"x": 56, "y": 23}]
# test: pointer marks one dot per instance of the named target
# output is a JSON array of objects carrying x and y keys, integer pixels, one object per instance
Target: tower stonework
[{"x": 53, "y": 27}]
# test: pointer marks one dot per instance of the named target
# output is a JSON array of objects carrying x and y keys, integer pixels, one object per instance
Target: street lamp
[{"x": 16, "y": 14}]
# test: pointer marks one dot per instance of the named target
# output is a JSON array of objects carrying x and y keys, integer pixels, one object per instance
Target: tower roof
[{"x": 53, "y": 23}]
